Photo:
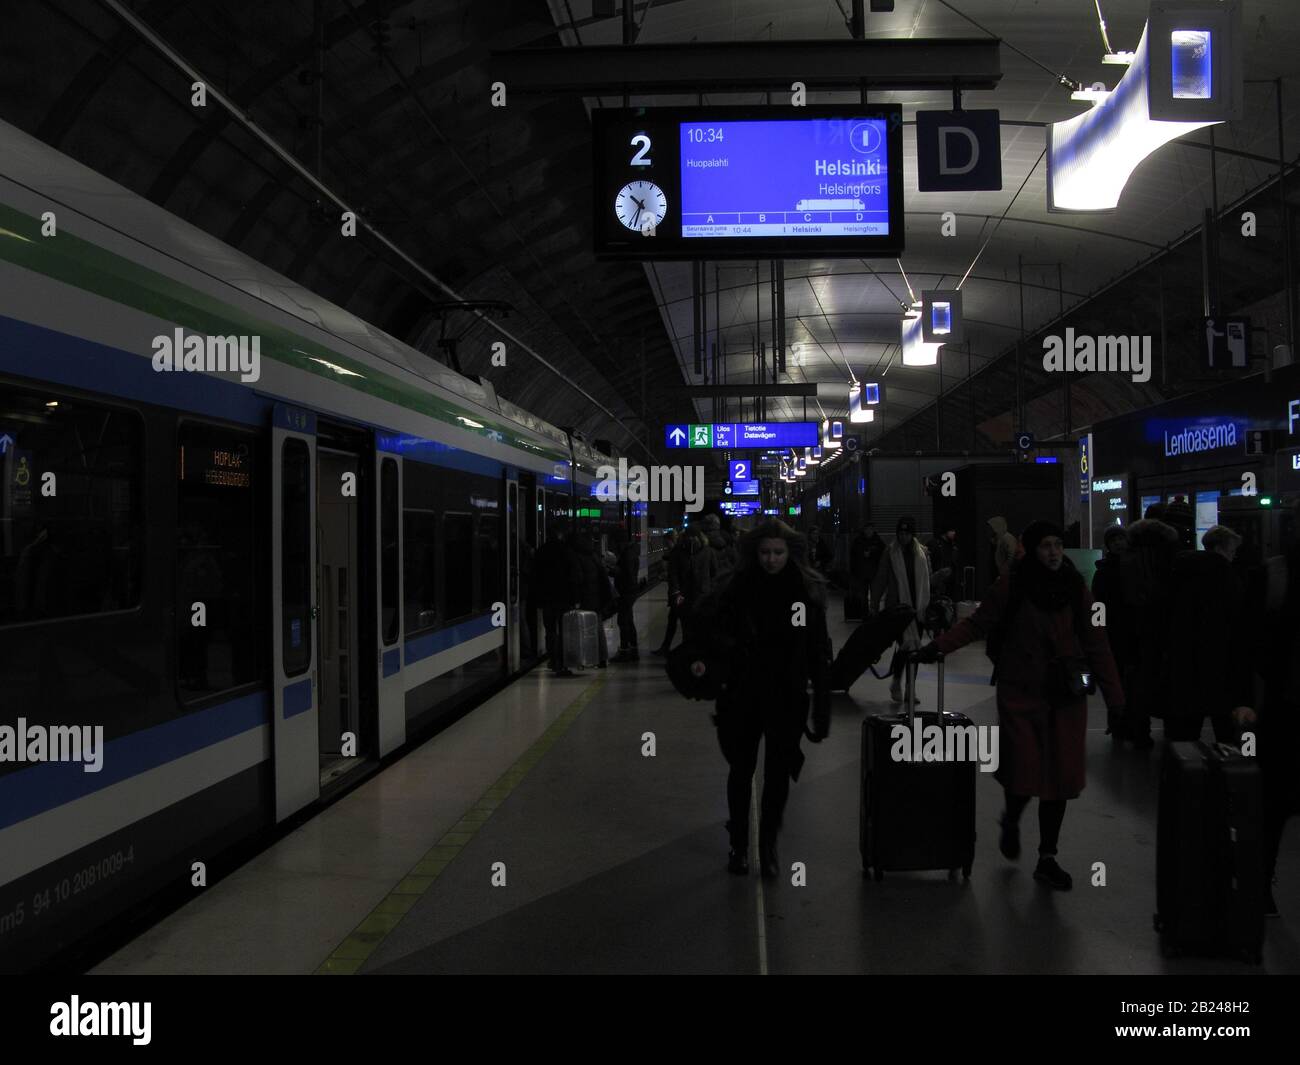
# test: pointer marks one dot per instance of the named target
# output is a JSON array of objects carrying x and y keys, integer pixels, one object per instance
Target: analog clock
[{"x": 640, "y": 203}]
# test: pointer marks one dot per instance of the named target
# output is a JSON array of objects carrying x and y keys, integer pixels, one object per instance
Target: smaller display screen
[
  {"x": 1190, "y": 52},
  {"x": 225, "y": 467}
]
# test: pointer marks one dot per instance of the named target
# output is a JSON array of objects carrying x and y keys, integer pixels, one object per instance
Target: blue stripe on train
[
  {"x": 47, "y": 355},
  {"x": 444, "y": 639},
  {"x": 392, "y": 661},
  {"x": 33, "y": 351},
  {"x": 297, "y": 698},
  {"x": 42, "y": 787}
]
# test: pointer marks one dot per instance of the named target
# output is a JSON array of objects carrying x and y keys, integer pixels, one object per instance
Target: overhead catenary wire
[
  {"x": 1060, "y": 76},
  {"x": 148, "y": 33},
  {"x": 1000, "y": 219}
]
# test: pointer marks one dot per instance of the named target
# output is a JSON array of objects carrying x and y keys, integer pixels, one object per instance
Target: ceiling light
[
  {"x": 916, "y": 352},
  {"x": 1186, "y": 74}
]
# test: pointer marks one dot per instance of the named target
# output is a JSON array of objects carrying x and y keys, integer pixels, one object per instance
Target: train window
[
  {"x": 489, "y": 561},
  {"x": 215, "y": 536},
  {"x": 70, "y": 507},
  {"x": 420, "y": 559},
  {"x": 457, "y": 564},
  {"x": 389, "y": 607},
  {"x": 295, "y": 556}
]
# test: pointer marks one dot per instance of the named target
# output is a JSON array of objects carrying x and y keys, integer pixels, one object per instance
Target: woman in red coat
[{"x": 1034, "y": 616}]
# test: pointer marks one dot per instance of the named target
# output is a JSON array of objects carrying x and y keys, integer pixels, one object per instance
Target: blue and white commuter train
[{"x": 255, "y": 589}]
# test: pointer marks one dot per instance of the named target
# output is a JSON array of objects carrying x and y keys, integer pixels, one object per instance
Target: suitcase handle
[{"x": 910, "y": 689}]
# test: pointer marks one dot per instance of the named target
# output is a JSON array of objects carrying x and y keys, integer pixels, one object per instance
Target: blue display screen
[{"x": 819, "y": 177}]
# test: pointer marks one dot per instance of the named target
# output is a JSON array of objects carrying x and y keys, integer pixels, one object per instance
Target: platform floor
[{"x": 615, "y": 862}]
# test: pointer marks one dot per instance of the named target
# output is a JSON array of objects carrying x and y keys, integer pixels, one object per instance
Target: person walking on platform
[
  {"x": 593, "y": 586},
  {"x": 1037, "y": 621},
  {"x": 1274, "y": 607},
  {"x": 1146, "y": 579},
  {"x": 690, "y": 575},
  {"x": 1209, "y": 672},
  {"x": 944, "y": 562},
  {"x": 627, "y": 572},
  {"x": 820, "y": 553},
  {"x": 1108, "y": 589},
  {"x": 1006, "y": 548},
  {"x": 558, "y": 577},
  {"x": 724, "y": 551},
  {"x": 670, "y": 557},
  {"x": 769, "y": 622},
  {"x": 903, "y": 577},
  {"x": 865, "y": 552}
]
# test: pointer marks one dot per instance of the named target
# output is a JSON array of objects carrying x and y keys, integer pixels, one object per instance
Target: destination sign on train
[{"x": 731, "y": 435}]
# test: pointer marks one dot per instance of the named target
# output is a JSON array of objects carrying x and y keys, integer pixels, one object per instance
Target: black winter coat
[
  {"x": 1209, "y": 650},
  {"x": 557, "y": 575},
  {"x": 1108, "y": 588},
  {"x": 1147, "y": 573},
  {"x": 593, "y": 583},
  {"x": 772, "y": 660}
]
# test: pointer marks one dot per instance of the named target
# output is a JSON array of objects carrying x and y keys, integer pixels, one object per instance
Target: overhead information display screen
[
  {"x": 734, "y": 182},
  {"x": 790, "y": 178}
]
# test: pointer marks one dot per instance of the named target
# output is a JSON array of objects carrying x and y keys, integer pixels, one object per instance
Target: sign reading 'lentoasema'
[{"x": 1201, "y": 438}]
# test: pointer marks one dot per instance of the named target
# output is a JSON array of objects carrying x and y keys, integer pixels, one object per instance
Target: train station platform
[{"x": 534, "y": 836}]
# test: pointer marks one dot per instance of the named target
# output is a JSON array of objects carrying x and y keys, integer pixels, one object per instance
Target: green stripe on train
[{"x": 76, "y": 261}]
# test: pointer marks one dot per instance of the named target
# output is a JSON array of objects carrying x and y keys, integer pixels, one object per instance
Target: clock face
[{"x": 641, "y": 203}]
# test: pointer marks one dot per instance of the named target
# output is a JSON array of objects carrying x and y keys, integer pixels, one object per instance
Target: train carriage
[{"x": 256, "y": 581}]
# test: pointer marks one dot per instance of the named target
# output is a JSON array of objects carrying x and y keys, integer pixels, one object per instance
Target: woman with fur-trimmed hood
[{"x": 1038, "y": 623}]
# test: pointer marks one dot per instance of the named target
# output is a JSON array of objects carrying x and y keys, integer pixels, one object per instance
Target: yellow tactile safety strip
[{"x": 351, "y": 954}]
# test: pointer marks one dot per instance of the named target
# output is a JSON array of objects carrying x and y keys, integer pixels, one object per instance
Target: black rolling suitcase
[
  {"x": 915, "y": 815},
  {"x": 1209, "y": 852},
  {"x": 866, "y": 644}
]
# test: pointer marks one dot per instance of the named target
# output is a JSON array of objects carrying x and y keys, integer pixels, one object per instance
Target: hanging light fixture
[
  {"x": 1185, "y": 74},
  {"x": 916, "y": 352}
]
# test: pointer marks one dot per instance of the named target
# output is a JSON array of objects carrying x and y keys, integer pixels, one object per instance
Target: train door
[
  {"x": 388, "y": 588},
  {"x": 514, "y": 609},
  {"x": 294, "y": 609},
  {"x": 338, "y": 538}
]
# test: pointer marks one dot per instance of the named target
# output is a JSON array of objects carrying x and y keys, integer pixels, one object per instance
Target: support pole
[
  {"x": 1020, "y": 346},
  {"x": 1287, "y": 280}
]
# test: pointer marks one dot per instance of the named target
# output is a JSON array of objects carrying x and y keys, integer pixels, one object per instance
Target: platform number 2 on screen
[{"x": 641, "y": 205}]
